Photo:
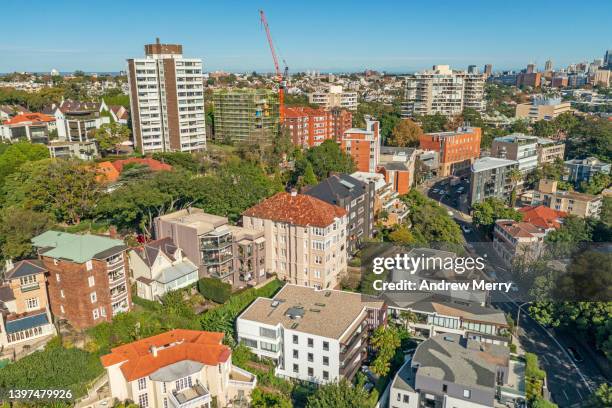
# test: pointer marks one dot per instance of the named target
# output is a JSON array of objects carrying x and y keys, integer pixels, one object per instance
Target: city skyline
[{"x": 231, "y": 38}]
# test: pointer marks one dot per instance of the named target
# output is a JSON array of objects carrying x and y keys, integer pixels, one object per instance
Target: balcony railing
[
  {"x": 194, "y": 396},
  {"x": 29, "y": 287}
]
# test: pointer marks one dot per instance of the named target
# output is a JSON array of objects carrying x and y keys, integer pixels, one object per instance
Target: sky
[{"x": 326, "y": 36}]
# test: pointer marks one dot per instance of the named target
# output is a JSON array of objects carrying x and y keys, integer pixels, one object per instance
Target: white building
[
  {"x": 167, "y": 100},
  {"x": 313, "y": 335},
  {"x": 442, "y": 90},
  {"x": 334, "y": 97},
  {"x": 519, "y": 147}
]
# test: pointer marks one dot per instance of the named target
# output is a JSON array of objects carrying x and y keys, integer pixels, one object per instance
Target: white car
[
  {"x": 466, "y": 229},
  {"x": 450, "y": 214}
]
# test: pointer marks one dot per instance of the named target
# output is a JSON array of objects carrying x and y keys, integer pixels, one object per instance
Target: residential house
[
  {"x": 159, "y": 267},
  {"x": 179, "y": 368},
  {"x": 111, "y": 175},
  {"x": 76, "y": 120},
  {"x": 517, "y": 241},
  {"x": 87, "y": 150},
  {"x": 119, "y": 114},
  {"x": 31, "y": 127},
  {"x": 319, "y": 336},
  {"x": 307, "y": 241}
]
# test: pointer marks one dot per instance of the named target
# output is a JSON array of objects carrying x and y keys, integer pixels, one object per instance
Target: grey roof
[
  {"x": 397, "y": 150},
  {"x": 177, "y": 370},
  {"x": 488, "y": 163},
  {"x": 404, "y": 379},
  {"x": 455, "y": 359},
  {"x": 149, "y": 252},
  {"x": 27, "y": 322},
  {"x": 395, "y": 165},
  {"x": 6, "y": 294},
  {"x": 177, "y": 271},
  {"x": 337, "y": 187},
  {"x": 25, "y": 268}
]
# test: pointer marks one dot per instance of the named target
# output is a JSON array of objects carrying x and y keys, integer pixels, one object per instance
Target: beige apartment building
[
  {"x": 306, "y": 237},
  {"x": 334, "y": 97},
  {"x": 571, "y": 202},
  {"x": 549, "y": 150},
  {"x": 542, "y": 109}
]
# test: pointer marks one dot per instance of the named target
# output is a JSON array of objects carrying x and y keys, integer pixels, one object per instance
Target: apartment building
[
  {"x": 246, "y": 115},
  {"x": 388, "y": 208},
  {"x": 580, "y": 170},
  {"x": 167, "y": 100},
  {"x": 550, "y": 150},
  {"x": 490, "y": 177},
  {"x": 159, "y": 267},
  {"x": 319, "y": 336},
  {"x": 87, "y": 150},
  {"x": 442, "y": 374},
  {"x": 571, "y": 202},
  {"x": 76, "y": 121},
  {"x": 602, "y": 77},
  {"x": 397, "y": 164},
  {"x": 24, "y": 306},
  {"x": 341, "y": 121},
  {"x": 307, "y": 127},
  {"x": 87, "y": 276},
  {"x": 334, "y": 97},
  {"x": 457, "y": 149},
  {"x": 33, "y": 127},
  {"x": 444, "y": 91},
  {"x": 235, "y": 255},
  {"x": 357, "y": 198},
  {"x": 518, "y": 241},
  {"x": 529, "y": 79},
  {"x": 363, "y": 145},
  {"x": 542, "y": 109},
  {"x": 179, "y": 368},
  {"x": 518, "y": 147},
  {"x": 306, "y": 238}
]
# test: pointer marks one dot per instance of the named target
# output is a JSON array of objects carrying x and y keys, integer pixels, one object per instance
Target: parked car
[
  {"x": 466, "y": 229},
  {"x": 450, "y": 213},
  {"x": 574, "y": 354}
]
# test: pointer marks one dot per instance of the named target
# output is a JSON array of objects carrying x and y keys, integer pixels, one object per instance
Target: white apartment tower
[
  {"x": 167, "y": 100},
  {"x": 442, "y": 90}
]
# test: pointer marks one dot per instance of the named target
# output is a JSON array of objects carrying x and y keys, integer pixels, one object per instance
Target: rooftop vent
[
  {"x": 448, "y": 338},
  {"x": 275, "y": 303},
  {"x": 295, "y": 312},
  {"x": 327, "y": 294},
  {"x": 320, "y": 304}
]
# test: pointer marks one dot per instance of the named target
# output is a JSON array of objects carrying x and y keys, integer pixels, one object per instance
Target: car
[
  {"x": 450, "y": 213},
  {"x": 442, "y": 192},
  {"x": 574, "y": 354},
  {"x": 466, "y": 229}
]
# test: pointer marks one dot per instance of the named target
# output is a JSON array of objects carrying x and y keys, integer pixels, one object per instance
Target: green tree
[
  {"x": 515, "y": 177},
  {"x": 342, "y": 394},
  {"x": 109, "y": 135},
  {"x": 542, "y": 403},
  {"x": 544, "y": 128},
  {"x": 602, "y": 397},
  {"x": 432, "y": 123},
  {"x": 487, "y": 212},
  {"x": 597, "y": 184},
  {"x": 18, "y": 153},
  {"x": 401, "y": 235},
  {"x": 17, "y": 227},
  {"x": 405, "y": 133},
  {"x": 385, "y": 341},
  {"x": 324, "y": 159},
  {"x": 266, "y": 399},
  {"x": 309, "y": 177}
]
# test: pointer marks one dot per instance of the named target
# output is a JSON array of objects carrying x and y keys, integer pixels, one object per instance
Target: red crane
[{"x": 279, "y": 76}]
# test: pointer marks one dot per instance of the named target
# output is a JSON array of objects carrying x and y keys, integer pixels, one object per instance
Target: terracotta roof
[
  {"x": 300, "y": 111},
  {"x": 519, "y": 229},
  {"x": 155, "y": 165},
  {"x": 30, "y": 117},
  {"x": 542, "y": 216},
  {"x": 298, "y": 209},
  {"x": 106, "y": 172},
  {"x": 137, "y": 359}
]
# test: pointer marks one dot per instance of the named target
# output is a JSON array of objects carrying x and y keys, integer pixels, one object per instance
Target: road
[{"x": 569, "y": 382}]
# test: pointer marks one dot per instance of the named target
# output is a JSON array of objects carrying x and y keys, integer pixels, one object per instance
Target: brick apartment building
[
  {"x": 87, "y": 276},
  {"x": 310, "y": 127},
  {"x": 363, "y": 145},
  {"x": 457, "y": 149}
]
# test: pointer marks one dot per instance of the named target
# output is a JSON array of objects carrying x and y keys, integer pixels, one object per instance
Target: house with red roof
[
  {"x": 306, "y": 238},
  {"x": 179, "y": 368},
  {"x": 33, "y": 127},
  {"x": 542, "y": 216},
  {"x": 111, "y": 171},
  {"x": 518, "y": 240}
]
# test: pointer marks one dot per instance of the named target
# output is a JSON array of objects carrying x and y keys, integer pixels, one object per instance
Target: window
[
  {"x": 467, "y": 393},
  {"x": 249, "y": 343},
  {"x": 310, "y": 342},
  {"x": 399, "y": 396},
  {"x": 32, "y": 303},
  {"x": 57, "y": 277},
  {"x": 444, "y": 388},
  {"x": 296, "y": 368},
  {"x": 296, "y": 354},
  {"x": 326, "y": 345},
  {"x": 406, "y": 399},
  {"x": 62, "y": 308},
  {"x": 143, "y": 400},
  {"x": 62, "y": 293},
  {"x": 325, "y": 360},
  {"x": 96, "y": 314},
  {"x": 93, "y": 297},
  {"x": 25, "y": 280},
  {"x": 89, "y": 265},
  {"x": 310, "y": 372},
  {"x": 103, "y": 311},
  {"x": 165, "y": 401},
  {"x": 268, "y": 346},
  {"x": 310, "y": 357},
  {"x": 142, "y": 383},
  {"x": 295, "y": 339},
  {"x": 269, "y": 333},
  {"x": 163, "y": 387},
  {"x": 91, "y": 281},
  {"x": 326, "y": 375}
]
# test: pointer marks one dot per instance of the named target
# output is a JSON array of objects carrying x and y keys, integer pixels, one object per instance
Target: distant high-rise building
[
  {"x": 472, "y": 69},
  {"x": 167, "y": 100},
  {"x": 548, "y": 66},
  {"x": 608, "y": 59},
  {"x": 442, "y": 90},
  {"x": 488, "y": 70},
  {"x": 530, "y": 68}
]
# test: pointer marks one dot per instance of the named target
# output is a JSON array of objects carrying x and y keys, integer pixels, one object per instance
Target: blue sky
[{"x": 327, "y": 36}]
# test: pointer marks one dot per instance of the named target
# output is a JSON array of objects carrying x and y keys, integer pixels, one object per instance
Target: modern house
[
  {"x": 517, "y": 147},
  {"x": 179, "y": 368},
  {"x": 159, "y": 267},
  {"x": 306, "y": 238},
  {"x": 24, "y": 307},
  {"x": 87, "y": 276},
  {"x": 32, "y": 127},
  {"x": 77, "y": 120},
  {"x": 312, "y": 335}
]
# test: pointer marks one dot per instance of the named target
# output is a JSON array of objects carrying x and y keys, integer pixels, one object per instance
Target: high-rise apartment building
[
  {"x": 548, "y": 66},
  {"x": 363, "y": 145},
  {"x": 488, "y": 70},
  {"x": 246, "y": 115},
  {"x": 307, "y": 126},
  {"x": 442, "y": 90},
  {"x": 167, "y": 100},
  {"x": 490, "y": 177},
  {"x": 608, "y": 59}
]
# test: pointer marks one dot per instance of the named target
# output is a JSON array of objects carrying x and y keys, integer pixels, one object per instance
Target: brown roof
[
  {"x": 542, "y": 216},
  {"x": 297, "y": 209},
  {"x": 519, "y": 229}
]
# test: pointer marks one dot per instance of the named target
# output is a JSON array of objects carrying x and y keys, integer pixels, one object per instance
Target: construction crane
[{"x": 280, "y": 77}]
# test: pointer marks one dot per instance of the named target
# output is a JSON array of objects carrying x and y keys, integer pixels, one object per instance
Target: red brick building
[
  {"x": 87, "y": 276},
  {"x": 309, "y": 127},
  {"x": 363, "y": 145},
  {"x": 341, "y": 121},
  {"x": 457, "y": 149}
]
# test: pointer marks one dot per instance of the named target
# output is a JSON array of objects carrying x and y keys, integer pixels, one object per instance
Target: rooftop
[
  {"x": 326, "y": 313},
  {"x": 75, "y": 247},
  {"x": 542, "y": 216},
  {"x": 30, "y": 118},
  {"x": 518, "y": 229},
  {"x": 296, "y": 209},
  {"x": 460, "y": 131},
  {"x": 147, "y": 356},
  {"x": 489, "y": 163},
  {"x": 519, "y": 138},
  {"x": 196, "y": 218},
  {"x": 336, "y": 187},
  {"x": 404, "y": 379},
  {"x": 25, "y": 268}
]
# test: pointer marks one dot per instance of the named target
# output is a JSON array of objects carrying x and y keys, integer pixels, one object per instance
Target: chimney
[
  {"x": 9, "y": 264},
  {"x": 112, "y": 231},
  {"x": 154, "y": 351},
  {"x": 293, "y": 192}
]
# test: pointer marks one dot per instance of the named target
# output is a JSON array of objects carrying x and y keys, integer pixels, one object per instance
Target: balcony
[
  {"x": 118, "y": 292},
  {"x": 242, "y": 379},
  {"x": 194, "y": 396},
  {"x": 28, "y": 287}
]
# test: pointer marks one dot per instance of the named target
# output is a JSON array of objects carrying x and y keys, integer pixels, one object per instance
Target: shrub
[{"x": 214, "y": 289}]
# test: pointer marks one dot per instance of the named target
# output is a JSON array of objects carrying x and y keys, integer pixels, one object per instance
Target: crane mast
[{"x": 279, "y": 75}]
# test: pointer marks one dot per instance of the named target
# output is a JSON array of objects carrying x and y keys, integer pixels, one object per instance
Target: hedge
[{"x": 215, "y": 289}]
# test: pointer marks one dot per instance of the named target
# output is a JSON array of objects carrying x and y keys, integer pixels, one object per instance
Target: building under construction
[{"x": 246, "y": 115}]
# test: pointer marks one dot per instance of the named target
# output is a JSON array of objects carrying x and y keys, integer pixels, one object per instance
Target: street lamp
[{"x": 518, "y": 316}]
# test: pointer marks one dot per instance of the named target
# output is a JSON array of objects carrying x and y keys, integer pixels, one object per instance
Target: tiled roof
[
  {"x": 300, "y": 111},
  {"x": 25, "y": 268},
  {"x": 149, "y": 251},
  {"x": 75, "y": 247},
  {"x": 519, "y": 229},
  {"x": 542, "y": 216},
  {"x": 297, "y": 209},
  {"x": 30, "y": 118},
  {"x": 174, "y": 346},
  {"x": 153, "y": 164}
]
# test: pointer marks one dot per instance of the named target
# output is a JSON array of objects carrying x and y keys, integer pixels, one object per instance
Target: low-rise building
[
  {"x": 397, "y": 164},
  {"x": 87, "y": 150},
  {"x": 319, "y": 336},
  {"x": 517, "y": 147},
  {"x": 363, "y": 145},
  {"x": 307, "y": 241},
  {"x": 542, "y": 109},
  {"x": 32, "y": 127},
  {"x": 159, "y": 267},
  {"x": 357, "y": 198},
  {"x": 388, "y": 208},
  {"x": 341, "y": 121},
  {"x": 334, "y": 97},
  {"x": 550, "y": 150},
  {"x": 579, "y": 170},
  {"x": 570, "y": 202},
  {"x": 457, "y": 149},
  {"x": 179, "y": 368},
  {"x": 490, "y": 177},
  {"x": 518, "y": 241},
  {"x": 76, "y": 120},
  {"x": 24, "y": 307},
  {"x": 87, "y": 276},
  {"x": 307, "y": 126}
]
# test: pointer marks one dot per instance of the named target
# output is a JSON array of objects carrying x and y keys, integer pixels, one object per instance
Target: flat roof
[
  {"x": 196, "y": 218},
  {"x": 327, "y": 313},
  {"x": 488, "y": 163}
]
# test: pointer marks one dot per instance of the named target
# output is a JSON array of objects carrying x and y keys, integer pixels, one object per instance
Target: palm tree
[{"x": 515, "y": 177}]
